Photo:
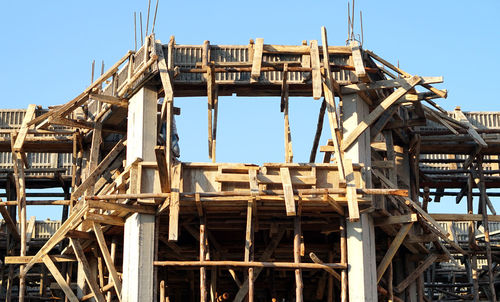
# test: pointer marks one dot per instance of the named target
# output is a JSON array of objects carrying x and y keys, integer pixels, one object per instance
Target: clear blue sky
[{"x": 49, "y": 46}]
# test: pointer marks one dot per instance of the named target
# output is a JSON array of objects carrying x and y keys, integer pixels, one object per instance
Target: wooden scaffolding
[{"x": 139, "y": 225}]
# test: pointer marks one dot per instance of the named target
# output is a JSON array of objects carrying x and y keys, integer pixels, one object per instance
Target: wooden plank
[
  {"x": 396, "y": 219},
  {"x": 126, "y": 208},
  {"x": 249, "y": 248},
  {"x": 26, "y": 259},
  {"x": 393, "y": 248},
  {"x": 91, "y": 281},
  {"x": 470, "y": 129},
  {"x": 333, "y": 118},
  {"x": 416, "y": 273},
  {"x": 386, "y": 84},
  {"x": 106, "y": 219},
  {"x": 352, "y": 199},
  {"x": 107, "y": 259},
  {"x": 464, "y": 217},
  {"x": 316, "y": 72},
  {"x": 265, "y": 179},
  {"x": 288, "y": 191},
  {"x": 257, "y": 60},
  {"x": 59, "y": 278},
  {"x": 384, "y": 105},
  {"x": 23, "y": 131},
  {"x": 357, "y": 59},
  {"x": 109, "y": 99},
  {"x": 173, "y": 222}
]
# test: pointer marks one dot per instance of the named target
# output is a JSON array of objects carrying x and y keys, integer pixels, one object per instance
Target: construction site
[{"x": 351, "y": 224}]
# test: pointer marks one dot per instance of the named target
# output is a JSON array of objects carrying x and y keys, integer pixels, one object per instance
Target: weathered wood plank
[
  {"x": 107, "y": 258},
  {"x": 316, "y": 72},
  {"x": 393, "y": 248},
  {"x": 288, "y": 191},
  {"x": 91, "y": 281},
  {"x": 59, "y": 278},
  {"x": 257, "y": 60},
  {"x": 23, "y": 131}
]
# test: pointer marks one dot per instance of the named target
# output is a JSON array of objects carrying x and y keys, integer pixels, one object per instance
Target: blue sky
[{"x": 48, "y": 47}]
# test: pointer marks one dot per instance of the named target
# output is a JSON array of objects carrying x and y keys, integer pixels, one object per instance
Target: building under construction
[{"x": 350, "y": 225}]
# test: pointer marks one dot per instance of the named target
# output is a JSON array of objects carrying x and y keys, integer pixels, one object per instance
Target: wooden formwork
[{"x": 277, "y": 231}]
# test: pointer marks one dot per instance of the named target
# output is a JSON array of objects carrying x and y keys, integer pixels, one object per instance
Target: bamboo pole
[
  {"x": 203, "y": 286},
  {"x": 482, "y": 202}
]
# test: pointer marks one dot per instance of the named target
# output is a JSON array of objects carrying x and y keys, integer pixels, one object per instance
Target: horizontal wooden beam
[{"x": 252, "y": 264}]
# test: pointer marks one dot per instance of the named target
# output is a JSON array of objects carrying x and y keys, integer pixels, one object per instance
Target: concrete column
[
  {"x": 362, "y": 271},
  {"x": 138, "y": 244}
]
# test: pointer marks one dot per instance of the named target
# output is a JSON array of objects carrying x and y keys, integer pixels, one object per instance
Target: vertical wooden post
[
  {"x": 472, "y": 240},
  {"x": 249, "y": 248},
  {"x": 482, "y": 189},
  {"x": 299, "y": 286},
  {"x": 203, "y": 270},
  {"x": 21, "y": 199}
]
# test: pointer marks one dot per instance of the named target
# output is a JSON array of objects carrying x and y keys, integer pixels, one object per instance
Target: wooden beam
[
  {"x": 107, "y": 259},
  {"x": 393, "y": 248},
  {"x": 316, "y": 72},
  {"x": 288, "y": 191},
  {"x": 26, "y": 259},
  {"x": 396, "y": 219},
  {"x": 416, "y": 273},
  {"x": 91, "y": 281},
  {"x": 59, "y": 278},
  {"x": 383, "y": 106},
  {"x": 109, "y": 99},
  {"x": 257, "y": 60},
  {"x": 386, "y": 84},
  {"x": 470, "y": 129},
  {"x": 11, "y": 225},
  {"x": 357, "y": 58},
  {"x": 333, "y": 118}
]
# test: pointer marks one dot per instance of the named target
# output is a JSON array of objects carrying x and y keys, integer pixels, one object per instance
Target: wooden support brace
[
  {"x": 59, "y": 278},
  {"x": 91, "y": 281},
  {"x": 396, "y": 243},
  {"x": 416, "y": 273},
  {"x": 107, "y": 259}
]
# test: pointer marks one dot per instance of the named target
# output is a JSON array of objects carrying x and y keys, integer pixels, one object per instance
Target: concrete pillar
[
  {"x": 138, "y": 244},
  {"x": 362, "y": 271}
]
